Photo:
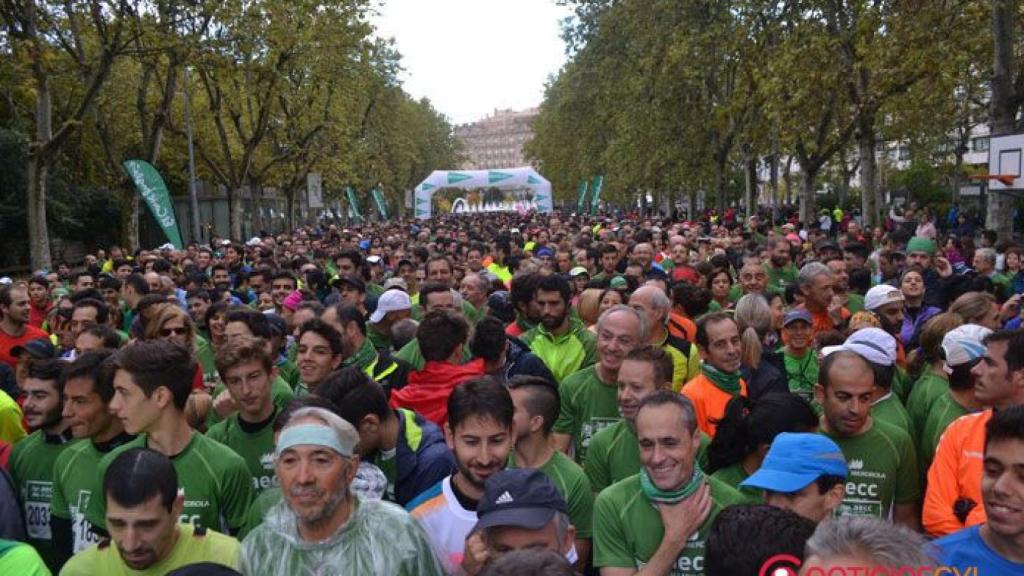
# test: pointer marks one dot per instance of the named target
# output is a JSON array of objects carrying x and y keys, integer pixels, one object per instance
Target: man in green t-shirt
[
  {"x": 962, "y": 349},
  {"x": 781, "y": 271},
  {"x": 883, "y": 480},
  {"x": 536, "y": 408},
  {"x": 32, "y": 458},
  {"x": 88, "y": 388},
  {"x": 799, "y": 356},
  {"x": 657, "y": 521},
  {"x": 142, "y": 502},
  {"x": 246, "y": 368},
  {"x": 613, "y": 453},
  {"x": 152, "y": 383},
  {"x": 588, "y": 401}
]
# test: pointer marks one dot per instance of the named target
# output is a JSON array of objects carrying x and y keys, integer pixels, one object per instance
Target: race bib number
[
  {"x": 37, "y": 509},
  {"x": 871, "y": 508},
  {"x": 80, "y": 527}
]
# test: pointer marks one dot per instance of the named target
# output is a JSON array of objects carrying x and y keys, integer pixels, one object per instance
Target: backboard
[{"x": 1006, "y": 158}]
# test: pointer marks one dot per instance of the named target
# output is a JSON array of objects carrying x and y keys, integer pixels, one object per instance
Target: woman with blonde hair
[
  {"x": 763, "y": 368},
  {"x": 978, "y": 308},
  {"x": 587, "y": 306},
  {"x": 928, "y": 360}
]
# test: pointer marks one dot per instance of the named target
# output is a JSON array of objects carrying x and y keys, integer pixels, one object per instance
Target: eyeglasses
[{"x": 167, "y": 332}]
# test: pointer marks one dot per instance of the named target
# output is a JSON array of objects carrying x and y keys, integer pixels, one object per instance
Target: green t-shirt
[
  {"x": 628, "y": 528},
  {"x": 260, "y": 505},
  {"x": 74, "y": 475},
  {"x": 281, "y": 394},
  {"x": 570, "y": 480},
  {"x": 288, "y": 372},
  {"x": 215, "y": 481},
  {"x": 802, "y": 374},
  {"x": 854, "y": 302},
  {"x": 31, "y": 466},
  {"x": 206, "y": 355},
  {"x": 190, "y": 548},
  {"x": 928, "y": 388},
  {"x": 733, "y": 475},
  {"x": 588, "y": 405},
  {"x": 944, "y": 410},
  {"x": 882, "y": 471},
  {"x": 255, "y": 447},
  {"x": 614, "y": 455},
  {"x": 781, "y": 278},
  {"x": 901, "y": 384},
  {"x": 888, "y": 409}
]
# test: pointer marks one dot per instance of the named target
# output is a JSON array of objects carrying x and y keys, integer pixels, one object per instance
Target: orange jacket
[
  {"x": 708, "y": 401},
  {"x": 956, "y": 473}
]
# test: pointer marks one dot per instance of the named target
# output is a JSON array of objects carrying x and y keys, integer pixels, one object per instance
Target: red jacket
[{"x": 428, "y": 389}]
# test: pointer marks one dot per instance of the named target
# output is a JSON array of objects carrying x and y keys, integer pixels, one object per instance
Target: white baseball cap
[
  {"x": 963, "y": 345},
  {"x": 881, "y": 295},
  {"x": 390, "y": 301},
  {"x": 872, "y": 344}
]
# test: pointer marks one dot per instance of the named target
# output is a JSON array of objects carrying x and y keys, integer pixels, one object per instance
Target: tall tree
[{"x": 48, "y": 39}]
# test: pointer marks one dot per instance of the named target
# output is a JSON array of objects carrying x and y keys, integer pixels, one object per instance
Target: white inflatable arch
[{"x": 503, "y": 179}]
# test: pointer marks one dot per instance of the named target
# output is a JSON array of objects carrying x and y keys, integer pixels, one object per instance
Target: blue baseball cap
[{"x": 795, "y": 460}]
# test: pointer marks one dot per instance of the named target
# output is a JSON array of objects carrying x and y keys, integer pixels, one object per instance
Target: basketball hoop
[{"x": 1004, "y": 179}]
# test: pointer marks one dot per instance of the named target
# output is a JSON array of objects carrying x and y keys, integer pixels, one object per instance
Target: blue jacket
[{"x": 422, "y": 456}]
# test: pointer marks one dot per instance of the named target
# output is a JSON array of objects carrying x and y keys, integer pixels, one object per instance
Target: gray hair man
[
  {"x": 655, "y": 305},
  {"x": 320, "y": 522},
  {"x": 817, "y": 288},
  {"x": 863, "y": 543}
]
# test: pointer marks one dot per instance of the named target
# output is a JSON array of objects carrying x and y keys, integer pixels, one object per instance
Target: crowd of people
[{"x": 520, "y": 394}]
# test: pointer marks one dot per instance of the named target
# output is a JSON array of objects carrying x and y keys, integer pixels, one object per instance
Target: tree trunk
[
  {"x": 234, "y": 214},
  {"x": 38, "y": 235},
  {"x": 720, "y": 186},
  {"x": 787, "y": 179},
  {"x": 749, "y": 180},
  {"x": 1004, "y": 106},
  {"x": 130, "y": 218},
  {"x": 807, "y": 178},
  {"x": 868, "y": 187}
]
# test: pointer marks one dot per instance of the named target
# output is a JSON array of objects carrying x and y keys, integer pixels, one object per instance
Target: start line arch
[{"x": 525, "y": 178}]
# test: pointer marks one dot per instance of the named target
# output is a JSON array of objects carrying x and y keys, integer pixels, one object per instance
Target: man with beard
[
  {"x": 588, "y": 397},
  {"x": 853, "y": 302},
  {"x": 14, "y": 327},
  {"x": 479, "y": 431},
  {"x": 143, "y": 506},
  {"x": 536, "y": 408},
  {"x": 32, "y": 458},
  {"x": 88, "y": 388},
  {"x": 321, "y": 524},
  {"x": 560, "y": 340},
  {"x": 886, "y": 303},
  {"x": 358, "y": 350},
  {"x": 781, "y": 271},
  {"x": 883, "y": 480},
  {"x": 39, "y": 301},
  {"x": 523, "y": 287},
  {"x": 282, "y": 283}
]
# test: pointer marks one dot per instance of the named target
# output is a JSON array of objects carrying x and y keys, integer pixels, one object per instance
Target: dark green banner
[
  {"x": 382, "y": 205},
  {"x": 581, "y": 201},
  {"x": 154, "y": 192},
  {"x": 596, "y": 193}
]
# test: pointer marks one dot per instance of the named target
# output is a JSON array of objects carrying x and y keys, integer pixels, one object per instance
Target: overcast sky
[{"x": 472, "y": 56}]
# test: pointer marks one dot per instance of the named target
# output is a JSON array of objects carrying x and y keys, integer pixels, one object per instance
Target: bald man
[{"x": 652, "y": 302}]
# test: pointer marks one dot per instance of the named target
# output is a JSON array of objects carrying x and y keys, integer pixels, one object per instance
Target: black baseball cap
[
  {"x": 519, "y": 497},
  {"x": 352, "y": 281},
  {"x": 39, "y": 348}
]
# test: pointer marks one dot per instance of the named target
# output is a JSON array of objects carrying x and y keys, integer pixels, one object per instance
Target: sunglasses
[{"x": 166, "y": 332}]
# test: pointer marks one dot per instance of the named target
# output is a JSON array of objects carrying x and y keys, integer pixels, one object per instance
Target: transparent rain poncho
[{"x": 379, "y": 538}]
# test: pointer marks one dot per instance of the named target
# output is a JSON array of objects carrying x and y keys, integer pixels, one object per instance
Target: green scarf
[
  {"x": 363, "y": 356},
  {"x": 729, "y": 383},
  {"x": 655, "y": 494}
]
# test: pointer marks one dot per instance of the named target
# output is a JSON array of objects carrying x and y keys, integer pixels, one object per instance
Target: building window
[{"x": 980, "y": 144}]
